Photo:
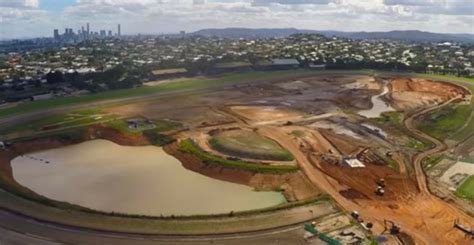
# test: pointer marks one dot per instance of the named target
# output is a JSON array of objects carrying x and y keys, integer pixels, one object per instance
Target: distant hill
[
  {"x": 248, "y": 33},
  {"x": 409, "y": 35}
]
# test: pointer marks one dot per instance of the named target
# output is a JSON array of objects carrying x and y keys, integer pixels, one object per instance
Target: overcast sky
[{"x": 32, "y": 18}]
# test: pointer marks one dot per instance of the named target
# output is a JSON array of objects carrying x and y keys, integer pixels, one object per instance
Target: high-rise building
[
  {"x": 56, "y": 34},
  {"x": 88, "y": 30},
  {"x": 110, "y": 32},
  {"x": 119, "y": 30},
  {"x": 102, "y": 33}
]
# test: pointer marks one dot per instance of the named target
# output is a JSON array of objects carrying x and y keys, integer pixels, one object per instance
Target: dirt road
[
  {"x": 438, "y": 145},
  {"x": 427, "y": 219}
]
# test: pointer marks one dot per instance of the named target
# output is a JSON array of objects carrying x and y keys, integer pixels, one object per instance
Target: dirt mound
[
  {"x": 255, "y": 113},
  {"x": 409, "y": 93},
  {"x": 248, "y": 144}
]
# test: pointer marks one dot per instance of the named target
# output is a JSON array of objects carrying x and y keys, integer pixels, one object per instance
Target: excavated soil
[
  {"x": 364, "y": 180},
  {"x": 409, "y": 93}
]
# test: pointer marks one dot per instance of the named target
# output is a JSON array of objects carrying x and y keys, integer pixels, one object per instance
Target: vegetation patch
[
  {"x": 61, "y": 121},
  {"x": 394, "y": 119},
  {"x": 445, "y": 122},
  {"x": 297, "y": 133},
  {"x": 163, "y": 125},
  {"x": 248, "y": 144},
  {"x": 431, "y": 161},
  {"x": 190, "y": 147},
  {"x": 158, "y": 139},
  {"x": 415, "y": 144},
  {"x": 123, "y": 127},
  {"x": 466, "y": 190}
]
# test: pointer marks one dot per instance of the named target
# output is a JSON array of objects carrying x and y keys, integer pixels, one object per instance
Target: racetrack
[{"x": 425, "y": 217}]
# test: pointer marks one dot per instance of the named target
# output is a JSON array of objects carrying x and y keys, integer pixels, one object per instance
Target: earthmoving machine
[
  {"x": 381, "y": 182},
  {"x": 380, "y": 191},
  {"x": 390, "y": 226},
  {"x": 356, "y": 216},
  {"x": 469, "y": 233},
  {"x": 368, "y": 226},
  {"x": 311, "y": 228}
]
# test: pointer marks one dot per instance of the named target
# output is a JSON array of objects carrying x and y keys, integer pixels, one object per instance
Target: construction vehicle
[
  {"x": 380, "y": 191},
  {"x": 381, "y": 182},
  {"x": 469, "y": 233},
  {"x": 394, "y": 229},
  {"x": 311, "y": 228}
]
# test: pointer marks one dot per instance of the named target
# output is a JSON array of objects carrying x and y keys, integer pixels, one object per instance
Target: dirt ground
[
  {"x": 407, "y": 94},
  {"x": 304, "y": 117}
]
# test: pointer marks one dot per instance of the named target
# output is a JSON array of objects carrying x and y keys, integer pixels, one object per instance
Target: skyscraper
[
  {"x": 118, "y": 30},
  {"x": 56, "y": 34},
  {"x": 88, "y": 30}
]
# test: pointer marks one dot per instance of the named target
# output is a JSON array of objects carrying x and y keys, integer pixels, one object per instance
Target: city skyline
[
  {"x": 36, "y": 18},
  {"x": 84, "y": 33}
]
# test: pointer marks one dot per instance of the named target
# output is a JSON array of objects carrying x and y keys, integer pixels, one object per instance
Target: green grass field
[
  {"x": 190, "y": 147},
  {"x": 444, "y": 123},
  {"x": 466, "y": 190},
  {"x": 446, "y": 77},
  {"x": 247, "y": 144},
  {"x": 61, "y": 121}
]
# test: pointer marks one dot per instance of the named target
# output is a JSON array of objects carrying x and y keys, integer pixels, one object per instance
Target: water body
[
  {"x": 379, "y": 105},
  {"x": 144, "y": 180}
]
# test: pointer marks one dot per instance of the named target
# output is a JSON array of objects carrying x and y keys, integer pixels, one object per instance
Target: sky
[{"x": 36, "y": 18}]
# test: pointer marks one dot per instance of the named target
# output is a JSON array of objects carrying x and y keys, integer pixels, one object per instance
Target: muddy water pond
[
  {"x": 379, "y": 105},
  {"x": 143, "y": 180}
]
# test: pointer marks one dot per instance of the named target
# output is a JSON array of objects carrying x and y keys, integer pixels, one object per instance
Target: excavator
[{"x": 469, "y": 233}]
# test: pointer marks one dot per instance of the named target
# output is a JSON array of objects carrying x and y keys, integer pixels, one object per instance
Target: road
[{"x": 439, "y": 146}]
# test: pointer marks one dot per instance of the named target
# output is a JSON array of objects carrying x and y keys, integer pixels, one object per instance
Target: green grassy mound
[
  {"x": 466, "y": 190},
  {"x": 247, "y": 144},
  {"x": 189, "y": 146},
  {"x": 445, "y": 122}
]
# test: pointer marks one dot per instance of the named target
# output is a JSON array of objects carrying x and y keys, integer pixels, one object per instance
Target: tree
[{"x": 55, "y": 77}]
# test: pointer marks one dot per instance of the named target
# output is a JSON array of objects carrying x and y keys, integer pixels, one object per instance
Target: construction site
[{"x": 353, "y": 137}]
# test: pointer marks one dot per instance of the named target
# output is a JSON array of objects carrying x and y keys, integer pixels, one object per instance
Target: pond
[
  {"x": 143, "y": 180},
  {"x": 379, "y": 106}
]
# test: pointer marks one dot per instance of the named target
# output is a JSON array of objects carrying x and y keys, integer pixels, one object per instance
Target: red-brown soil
[{"x": 409, "y": 93}]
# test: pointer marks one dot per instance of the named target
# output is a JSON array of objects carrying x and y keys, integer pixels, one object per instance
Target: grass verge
[
  {"x": 180, "y": 225},
  {"x": 445, "y": 122},
  {"x": 466, "y": 190},
  {"x": 190, "y": 147}
]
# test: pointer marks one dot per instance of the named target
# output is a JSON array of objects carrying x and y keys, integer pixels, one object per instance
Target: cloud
[
  {"x": 19, "y": 3},
  {"x": 288, "y": 2},
  {"x": 436, "y": 7},
  {"x": 158, "y": 16}
]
